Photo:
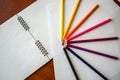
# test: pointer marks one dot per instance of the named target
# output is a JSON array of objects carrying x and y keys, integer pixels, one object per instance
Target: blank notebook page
[{"x": 19, "y": 56}]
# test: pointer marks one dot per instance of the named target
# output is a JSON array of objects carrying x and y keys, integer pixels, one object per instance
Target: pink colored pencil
[
  {"x": 93, "y": 40},
  {"x": 82, "y": 21},
  {"x": 90, "y": 29}
]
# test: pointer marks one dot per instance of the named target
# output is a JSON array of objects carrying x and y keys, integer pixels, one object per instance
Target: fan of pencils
[{"x": 67, "y": 37}]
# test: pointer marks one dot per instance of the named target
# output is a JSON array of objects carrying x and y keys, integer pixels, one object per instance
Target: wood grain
[
  {"x": 117, "y": 2},
  {"x": 44, "y": 73},
  {"x": 9, "y": 8}
]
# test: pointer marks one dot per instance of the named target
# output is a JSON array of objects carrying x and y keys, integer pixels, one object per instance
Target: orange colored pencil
[
  {"x": 71, "y": 18},
  {"x": 82, "y": 21}
]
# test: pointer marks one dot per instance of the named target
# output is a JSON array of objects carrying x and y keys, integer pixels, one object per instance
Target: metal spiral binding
[
  {"x": 37, "y": 42},
  {"x": 23, "y": 23},
  {"x": 41, "y": 47}
]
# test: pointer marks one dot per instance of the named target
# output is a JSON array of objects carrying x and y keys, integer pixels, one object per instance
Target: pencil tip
[{"x": 64, "y": 43}]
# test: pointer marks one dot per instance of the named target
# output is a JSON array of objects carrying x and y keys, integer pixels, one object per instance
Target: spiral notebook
[
  {"x": 25, "y": 43},
  {"x": 110, "y": 68}
]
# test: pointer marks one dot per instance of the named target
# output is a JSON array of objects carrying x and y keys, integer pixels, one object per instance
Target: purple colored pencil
[
  {"x": 94, "y": 52},
  {"x": 93, "y": 40}
]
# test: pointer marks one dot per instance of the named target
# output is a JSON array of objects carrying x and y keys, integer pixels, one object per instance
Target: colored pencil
[
  {"x": 82, "y": 21},
  {"x": 90, "y": 29},
  {"x": 93, "y": 40},
  {"x": 70, "y": 63},
  {"x": 62, "y": 19},
  {"x": 93, "y": 52},
  {"x": 85, "y": 62},
  {"x": 72, "y": 17}
]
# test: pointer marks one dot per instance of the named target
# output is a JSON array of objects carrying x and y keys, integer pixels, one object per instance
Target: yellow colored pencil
[
  {"x": 71, "y": 18},
  {"x": 62, "y": 19}
]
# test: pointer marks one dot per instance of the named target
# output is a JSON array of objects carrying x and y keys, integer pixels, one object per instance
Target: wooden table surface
[
  {"x": 9, "y": 8},
  {"x": 44, "y": 73}
]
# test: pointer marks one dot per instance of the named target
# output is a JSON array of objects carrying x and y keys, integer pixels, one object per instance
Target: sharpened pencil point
[{"x": 64, "y": 43}]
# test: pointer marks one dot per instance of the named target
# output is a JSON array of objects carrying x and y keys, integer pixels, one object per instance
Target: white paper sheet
[
  {"x": 108, "y": 67},
  {"x": 19, "y": 56}
]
